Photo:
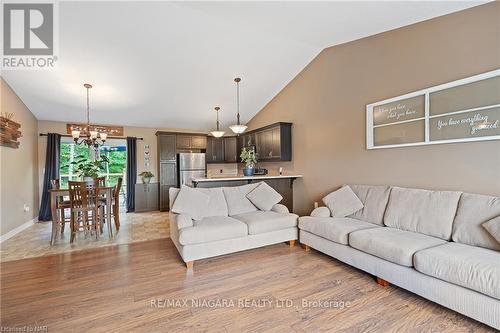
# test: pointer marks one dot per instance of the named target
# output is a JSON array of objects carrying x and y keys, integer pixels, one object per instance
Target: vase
[
  {"x": 146, "y": 180},
  {"x": 248, "y": 172}
]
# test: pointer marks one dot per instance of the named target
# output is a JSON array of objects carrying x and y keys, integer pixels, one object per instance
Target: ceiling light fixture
[
  {"x": 217, "y": 133},
  {"x": 91, "y": 140},
  {"x": 238, "y": 128}
]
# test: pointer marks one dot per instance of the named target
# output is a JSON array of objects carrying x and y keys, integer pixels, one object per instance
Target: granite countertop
[{"x": 218, "y": 179}]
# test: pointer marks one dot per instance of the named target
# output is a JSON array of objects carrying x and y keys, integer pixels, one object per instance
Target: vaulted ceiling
[{"x": 167, "y": 64}]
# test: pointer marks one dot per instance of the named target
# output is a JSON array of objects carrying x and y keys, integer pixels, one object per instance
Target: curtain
[
  {"x": 131, "y": 172},
  {"x": 51, "y": 172}
]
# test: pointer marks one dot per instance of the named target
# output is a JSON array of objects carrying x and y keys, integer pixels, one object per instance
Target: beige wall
[
  {"x": 327, "y": 100},
  {"x": 148, "y": 135},
  {"x": 18, "y": 167}
]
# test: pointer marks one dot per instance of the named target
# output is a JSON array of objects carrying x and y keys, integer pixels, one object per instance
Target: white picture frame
[{"x": 370, "y": 126}]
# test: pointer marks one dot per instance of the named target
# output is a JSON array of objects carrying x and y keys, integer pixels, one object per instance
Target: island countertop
[{"x": 249, "y": 178}]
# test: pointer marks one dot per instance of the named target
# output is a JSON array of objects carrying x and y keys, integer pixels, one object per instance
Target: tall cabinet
[{"x": 167, "y": 158}]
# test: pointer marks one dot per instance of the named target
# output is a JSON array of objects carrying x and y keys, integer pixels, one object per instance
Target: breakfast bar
[{"x": 283, "y": 184}]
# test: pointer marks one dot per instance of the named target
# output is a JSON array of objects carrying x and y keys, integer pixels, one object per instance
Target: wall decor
[
  {"x": 9, "y": 131},
  {"x": 111, "y": 130},
  {"x": 459, "y": 111},
  {"x": 147, "y": 156}
]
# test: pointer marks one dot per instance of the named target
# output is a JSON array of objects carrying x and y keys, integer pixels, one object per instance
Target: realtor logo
[{"x": 28, "y": 35}]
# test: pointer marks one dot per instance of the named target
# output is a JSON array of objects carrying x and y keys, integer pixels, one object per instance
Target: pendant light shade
[
  {"x": 238, "y": 128},
  {"x": 217, "y": 133}
]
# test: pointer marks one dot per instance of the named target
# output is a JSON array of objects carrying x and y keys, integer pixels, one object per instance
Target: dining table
[{"x": 106, "y": 191}]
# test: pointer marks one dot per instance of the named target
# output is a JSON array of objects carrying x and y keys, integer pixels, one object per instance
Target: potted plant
[
  {"x": 89, "y": 170},
  {"x": 146, "y": 176},
  {"x": 248, "y": 157}
]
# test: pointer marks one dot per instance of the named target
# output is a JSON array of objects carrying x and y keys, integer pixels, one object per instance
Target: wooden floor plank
[{"x": 110, "y": 289}]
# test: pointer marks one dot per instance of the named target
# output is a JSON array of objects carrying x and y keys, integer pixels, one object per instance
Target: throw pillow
[
  {"x": 192, "y": 202},
  {"x": 493, "y": 227},
  {"x": 264, "y": 197},
  {"x": 237, "y": 201},
  {"x": 343, "y": 202},
  {"x": 321, "y": 212}
]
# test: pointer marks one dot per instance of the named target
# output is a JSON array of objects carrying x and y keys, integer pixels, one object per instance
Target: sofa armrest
[
  {"x": 279, "y": 208},
  {"x": 184, "y": 221},
  {"x": 321, "y": 212}
]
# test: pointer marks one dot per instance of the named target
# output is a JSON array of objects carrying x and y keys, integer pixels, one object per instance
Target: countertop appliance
[
  {"x": 260, "y": 172},
  {"x": 191, "y": 166}
]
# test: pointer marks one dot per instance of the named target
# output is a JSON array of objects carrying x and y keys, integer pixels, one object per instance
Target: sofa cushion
[
  {"x": 394, "y": 245},
  {"x": 212, "y": 229},
  {"x": 342, "y": 202},
  {"x": 217, "y": 205},
  {"x": 468, "y": 266},
  {"x": 237, "y": 201},
  {"x": 192, "y": 202},
  {"x": 473, "y": 211},
  {"x": 426, "y": 212},
  {"x": 493, "y": 228},
  {"x": 374, "y": 199},
  {"x": 264, "y": 197},
  {"x": 261, "y": 222},
  {"x": 336, "y": 229}
]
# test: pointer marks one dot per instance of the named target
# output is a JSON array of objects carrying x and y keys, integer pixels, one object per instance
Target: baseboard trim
[{"x": 17, "y": 230}]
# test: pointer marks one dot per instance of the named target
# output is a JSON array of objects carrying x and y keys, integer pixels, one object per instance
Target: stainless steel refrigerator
[{"x": 191, "y": 165}]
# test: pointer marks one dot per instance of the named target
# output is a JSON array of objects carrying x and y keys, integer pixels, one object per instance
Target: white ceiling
[{"x": 166, "y": 64}]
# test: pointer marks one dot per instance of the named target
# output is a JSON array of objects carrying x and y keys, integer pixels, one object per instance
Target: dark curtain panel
[
  {"x": 131, "y": 172},
  {"x": 51, "y": 172}
]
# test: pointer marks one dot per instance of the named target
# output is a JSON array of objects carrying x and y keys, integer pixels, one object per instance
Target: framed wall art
[{"x": 460, "y": 111}]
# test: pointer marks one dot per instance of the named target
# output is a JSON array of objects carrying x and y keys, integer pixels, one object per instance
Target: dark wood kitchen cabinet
[
  {"x": 230, "y": 150},
  {"x": 146, "y": 197},
  {"x": 215, "y": 150},
  {"x": 272, "y": 143},
  {"x": 222, "y": 150},
  {"x": 191, "y": 141},
  {"x": 167, "y": 166}
]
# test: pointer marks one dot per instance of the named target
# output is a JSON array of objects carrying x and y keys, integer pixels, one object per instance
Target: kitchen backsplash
[{"x": 222, "y": 170}]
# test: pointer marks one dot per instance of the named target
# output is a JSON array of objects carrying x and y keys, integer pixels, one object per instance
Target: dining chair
[
  {"x": 100, "y": 181},
  {"x": 86, "y": 210},
  {"x": 62, "y": 203}
]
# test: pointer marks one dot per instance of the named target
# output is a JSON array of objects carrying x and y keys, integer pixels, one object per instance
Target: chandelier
[
  {"x": 91, "y": 139},
  {"x": 238, "y": 128},
  {"x": 217, "y": 133}
]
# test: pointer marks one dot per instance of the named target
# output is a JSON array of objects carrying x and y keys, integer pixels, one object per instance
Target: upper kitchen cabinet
[
  {"x": 230, "y": 149},
  {"x": 191, "y": 141},
  {"x": 215, "y": 150},
  {"x": 166, "y": 147},
  {"x": 272, "y": 143}
]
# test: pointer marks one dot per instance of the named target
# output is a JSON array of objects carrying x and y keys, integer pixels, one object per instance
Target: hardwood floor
[{"x": 123, "y": 288}]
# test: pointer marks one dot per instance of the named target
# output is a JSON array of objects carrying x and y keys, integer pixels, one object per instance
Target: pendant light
[
  {"x": 91, "y": 139},
  {"x": 217, "y": 133},
  {"x": 238, "y": 128}
]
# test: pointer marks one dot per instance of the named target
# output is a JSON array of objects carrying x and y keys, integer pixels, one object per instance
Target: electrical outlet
[
  {"x": 26, "y": 208},
  {"x": 316, "y": 204}
]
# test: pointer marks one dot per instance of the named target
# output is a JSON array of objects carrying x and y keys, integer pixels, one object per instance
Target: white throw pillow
[
  {"x": 493, "y": 227},
  {"x": 343, "y": 202},
  {"x": 264, "y": 197},
  {"x": 321, "y": 212},
  {"x": 237, "y": 201},
  {"x": 192, "y": 202}
]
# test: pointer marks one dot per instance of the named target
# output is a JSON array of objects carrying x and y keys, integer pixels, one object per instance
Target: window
[{"x": 116, "y": 152}]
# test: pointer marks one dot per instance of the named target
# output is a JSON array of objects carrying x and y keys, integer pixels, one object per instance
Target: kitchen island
[{"x": 282, "y": 184}]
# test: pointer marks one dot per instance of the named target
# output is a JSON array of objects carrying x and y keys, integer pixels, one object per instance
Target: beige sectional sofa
[
  {"x": 232, "y": 224},
  {"x": 428, "y": 242}
]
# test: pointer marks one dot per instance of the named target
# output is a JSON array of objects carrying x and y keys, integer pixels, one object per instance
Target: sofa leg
[
  {"x": 383, "y": 282},
  {"x": 291, "y": 243},
  {"x": 306, "y": 247},
  {"x": 189, "y": 264}
]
